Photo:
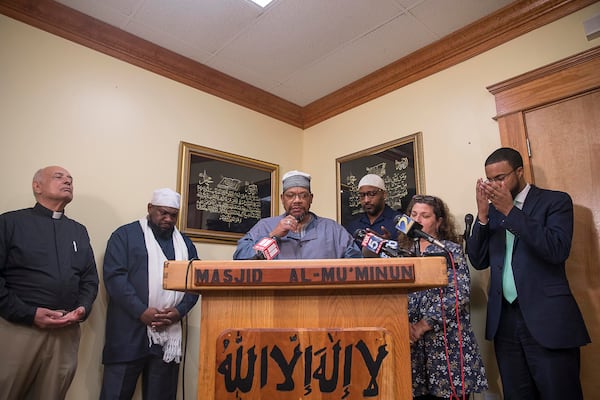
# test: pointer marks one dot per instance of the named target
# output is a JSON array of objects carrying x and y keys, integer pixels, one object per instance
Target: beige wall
[
  {"x": 117, "y": 129},
  {"x": 454, "y": 112}
]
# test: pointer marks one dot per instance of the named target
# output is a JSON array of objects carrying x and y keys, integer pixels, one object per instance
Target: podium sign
[
  {"x": 303, "y": 363},
  {"x": 305, "y": 329},
  {"x": 325, "y": 273}
]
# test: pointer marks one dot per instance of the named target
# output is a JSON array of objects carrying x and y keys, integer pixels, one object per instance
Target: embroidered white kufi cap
[
  {"x": 372, "y": 180},
  {"x": 165, "y": 197}
]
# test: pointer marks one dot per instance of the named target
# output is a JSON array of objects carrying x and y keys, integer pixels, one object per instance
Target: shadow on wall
[
  {"x": 479, "y": 288},
  {"x": 583, "y": 271},
  {"x": 100, "y": 219}
]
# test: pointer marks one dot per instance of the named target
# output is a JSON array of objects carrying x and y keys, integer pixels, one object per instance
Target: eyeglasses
[
  {"x": 371, "y": 193},
  {"x": 299, "y": 195},
  {"x": 420, "y": 197},
  {"x": 501, "y": 177}
]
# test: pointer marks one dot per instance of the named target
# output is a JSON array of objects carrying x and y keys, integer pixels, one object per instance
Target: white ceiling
[{"x": 299, "y": 50}]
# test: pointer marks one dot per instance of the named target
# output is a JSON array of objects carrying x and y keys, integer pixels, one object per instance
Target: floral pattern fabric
[{"x": 432, "y": 361}]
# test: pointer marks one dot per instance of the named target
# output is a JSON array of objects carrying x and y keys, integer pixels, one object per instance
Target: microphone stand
[
  {"x": 468, "y": 226},
  {"x": 417, "y": 247}
]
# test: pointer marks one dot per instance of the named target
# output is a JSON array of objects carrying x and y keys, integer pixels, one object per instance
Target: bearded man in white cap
[
  {"x": 377, "y": 217},
  {"x": 300, "y": 233},
  {"x": 143, "y": 329}
]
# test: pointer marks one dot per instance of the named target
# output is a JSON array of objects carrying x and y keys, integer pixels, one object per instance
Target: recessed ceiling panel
[{"x": 300, "y": 50}]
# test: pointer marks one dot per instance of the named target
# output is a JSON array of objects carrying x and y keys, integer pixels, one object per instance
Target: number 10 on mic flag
[{"x": 268, "y": 246}]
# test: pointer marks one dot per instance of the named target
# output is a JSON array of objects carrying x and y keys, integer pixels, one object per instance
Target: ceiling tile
[
  {"x": 446, "y": 16},
  {"x": 296, "y": 33},
  {"x": 300, "y": 50},
  {"x": 205, "y": 24},
  {"x": 113, "y": 12},
  {"x": 392, "y": 41}
]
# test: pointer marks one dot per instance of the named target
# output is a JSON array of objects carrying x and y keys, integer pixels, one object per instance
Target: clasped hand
[
  {"x": 492, "y": 192},
  {"x": 51, "y": 319},
  {"x": 160, "y": 319}
]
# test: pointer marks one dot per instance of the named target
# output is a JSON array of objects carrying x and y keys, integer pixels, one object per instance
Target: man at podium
[{"x": 298, "y": 233}]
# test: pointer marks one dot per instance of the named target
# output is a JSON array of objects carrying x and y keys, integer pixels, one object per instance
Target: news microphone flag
[
  {"x": 372, "y": 242},
  {"x": 413, "y": 229},
  {"x": 268, "y": 247},
  {"x": 404, "y": 224}
]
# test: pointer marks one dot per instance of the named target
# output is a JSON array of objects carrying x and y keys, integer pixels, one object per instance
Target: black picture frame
[
  {"x": 223, "y": 194},
  {"x": 399, "y": 163}
]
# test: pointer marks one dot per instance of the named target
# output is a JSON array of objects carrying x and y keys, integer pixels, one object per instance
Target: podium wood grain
[{"x": 305, "y": 305}]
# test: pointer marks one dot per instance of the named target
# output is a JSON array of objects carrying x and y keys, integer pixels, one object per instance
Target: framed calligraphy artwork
[
  {"x": 222, "y": 194},
  {"x": 399, "y": 163}
]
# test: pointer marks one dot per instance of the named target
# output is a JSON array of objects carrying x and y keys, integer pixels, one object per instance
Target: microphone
[
  {"x": 382, "y": 247},
  {"x": 266, "y": 249},
  {"x": 359, "y": 235},
  {"x": 468, "y": 225},
  {"x": 413, "y": 229}
]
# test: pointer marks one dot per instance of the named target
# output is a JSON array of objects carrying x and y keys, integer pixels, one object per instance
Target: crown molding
[
  {"x": 73, "y": 25},
  {"x": 562, "y": 79},
  {"x": 505, "y": 24}
]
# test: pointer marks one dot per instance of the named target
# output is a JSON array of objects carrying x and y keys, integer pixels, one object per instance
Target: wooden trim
[
  {"x": 559, "y": 80},
  {"x": 505, "y": 24},
  {"x": 513, "y": 133},
  {"x": 566, "y": 78}
]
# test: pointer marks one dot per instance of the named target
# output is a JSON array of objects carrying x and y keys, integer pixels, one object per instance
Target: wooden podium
[{"x": 305, "y": 329}]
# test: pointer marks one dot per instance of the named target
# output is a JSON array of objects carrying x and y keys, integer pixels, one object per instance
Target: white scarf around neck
[{"x": 170, "y": 337}]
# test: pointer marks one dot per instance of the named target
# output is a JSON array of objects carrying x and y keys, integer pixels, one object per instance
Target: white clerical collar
[{"x": 57, "y": 215}]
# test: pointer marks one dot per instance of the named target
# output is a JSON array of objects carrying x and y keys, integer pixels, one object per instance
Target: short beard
[
  {"x": 159, "y": 232},
  {"x": 376, "y": 210}
]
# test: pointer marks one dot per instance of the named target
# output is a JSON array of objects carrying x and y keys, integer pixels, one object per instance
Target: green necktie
[{"x": 509, "y": 289}]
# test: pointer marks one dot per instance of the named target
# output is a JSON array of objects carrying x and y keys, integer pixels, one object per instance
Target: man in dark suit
[
  {"x": 523, "y": 233},
  {"x": 143, "y": 328}
]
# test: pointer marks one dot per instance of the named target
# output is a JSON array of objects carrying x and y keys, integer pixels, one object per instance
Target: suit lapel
[{"x": 531, "y": 201}]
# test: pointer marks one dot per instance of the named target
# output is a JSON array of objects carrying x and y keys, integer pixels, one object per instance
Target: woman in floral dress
[{"x": 446, "y": 361}]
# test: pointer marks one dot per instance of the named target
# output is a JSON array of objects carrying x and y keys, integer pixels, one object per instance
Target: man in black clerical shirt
[{"x": 48, "y": 282}]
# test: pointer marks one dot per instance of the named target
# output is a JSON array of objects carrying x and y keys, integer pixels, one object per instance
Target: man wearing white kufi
[
  {"x": 143, "y": 328},
  {"x": 377, "y": 216}
]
